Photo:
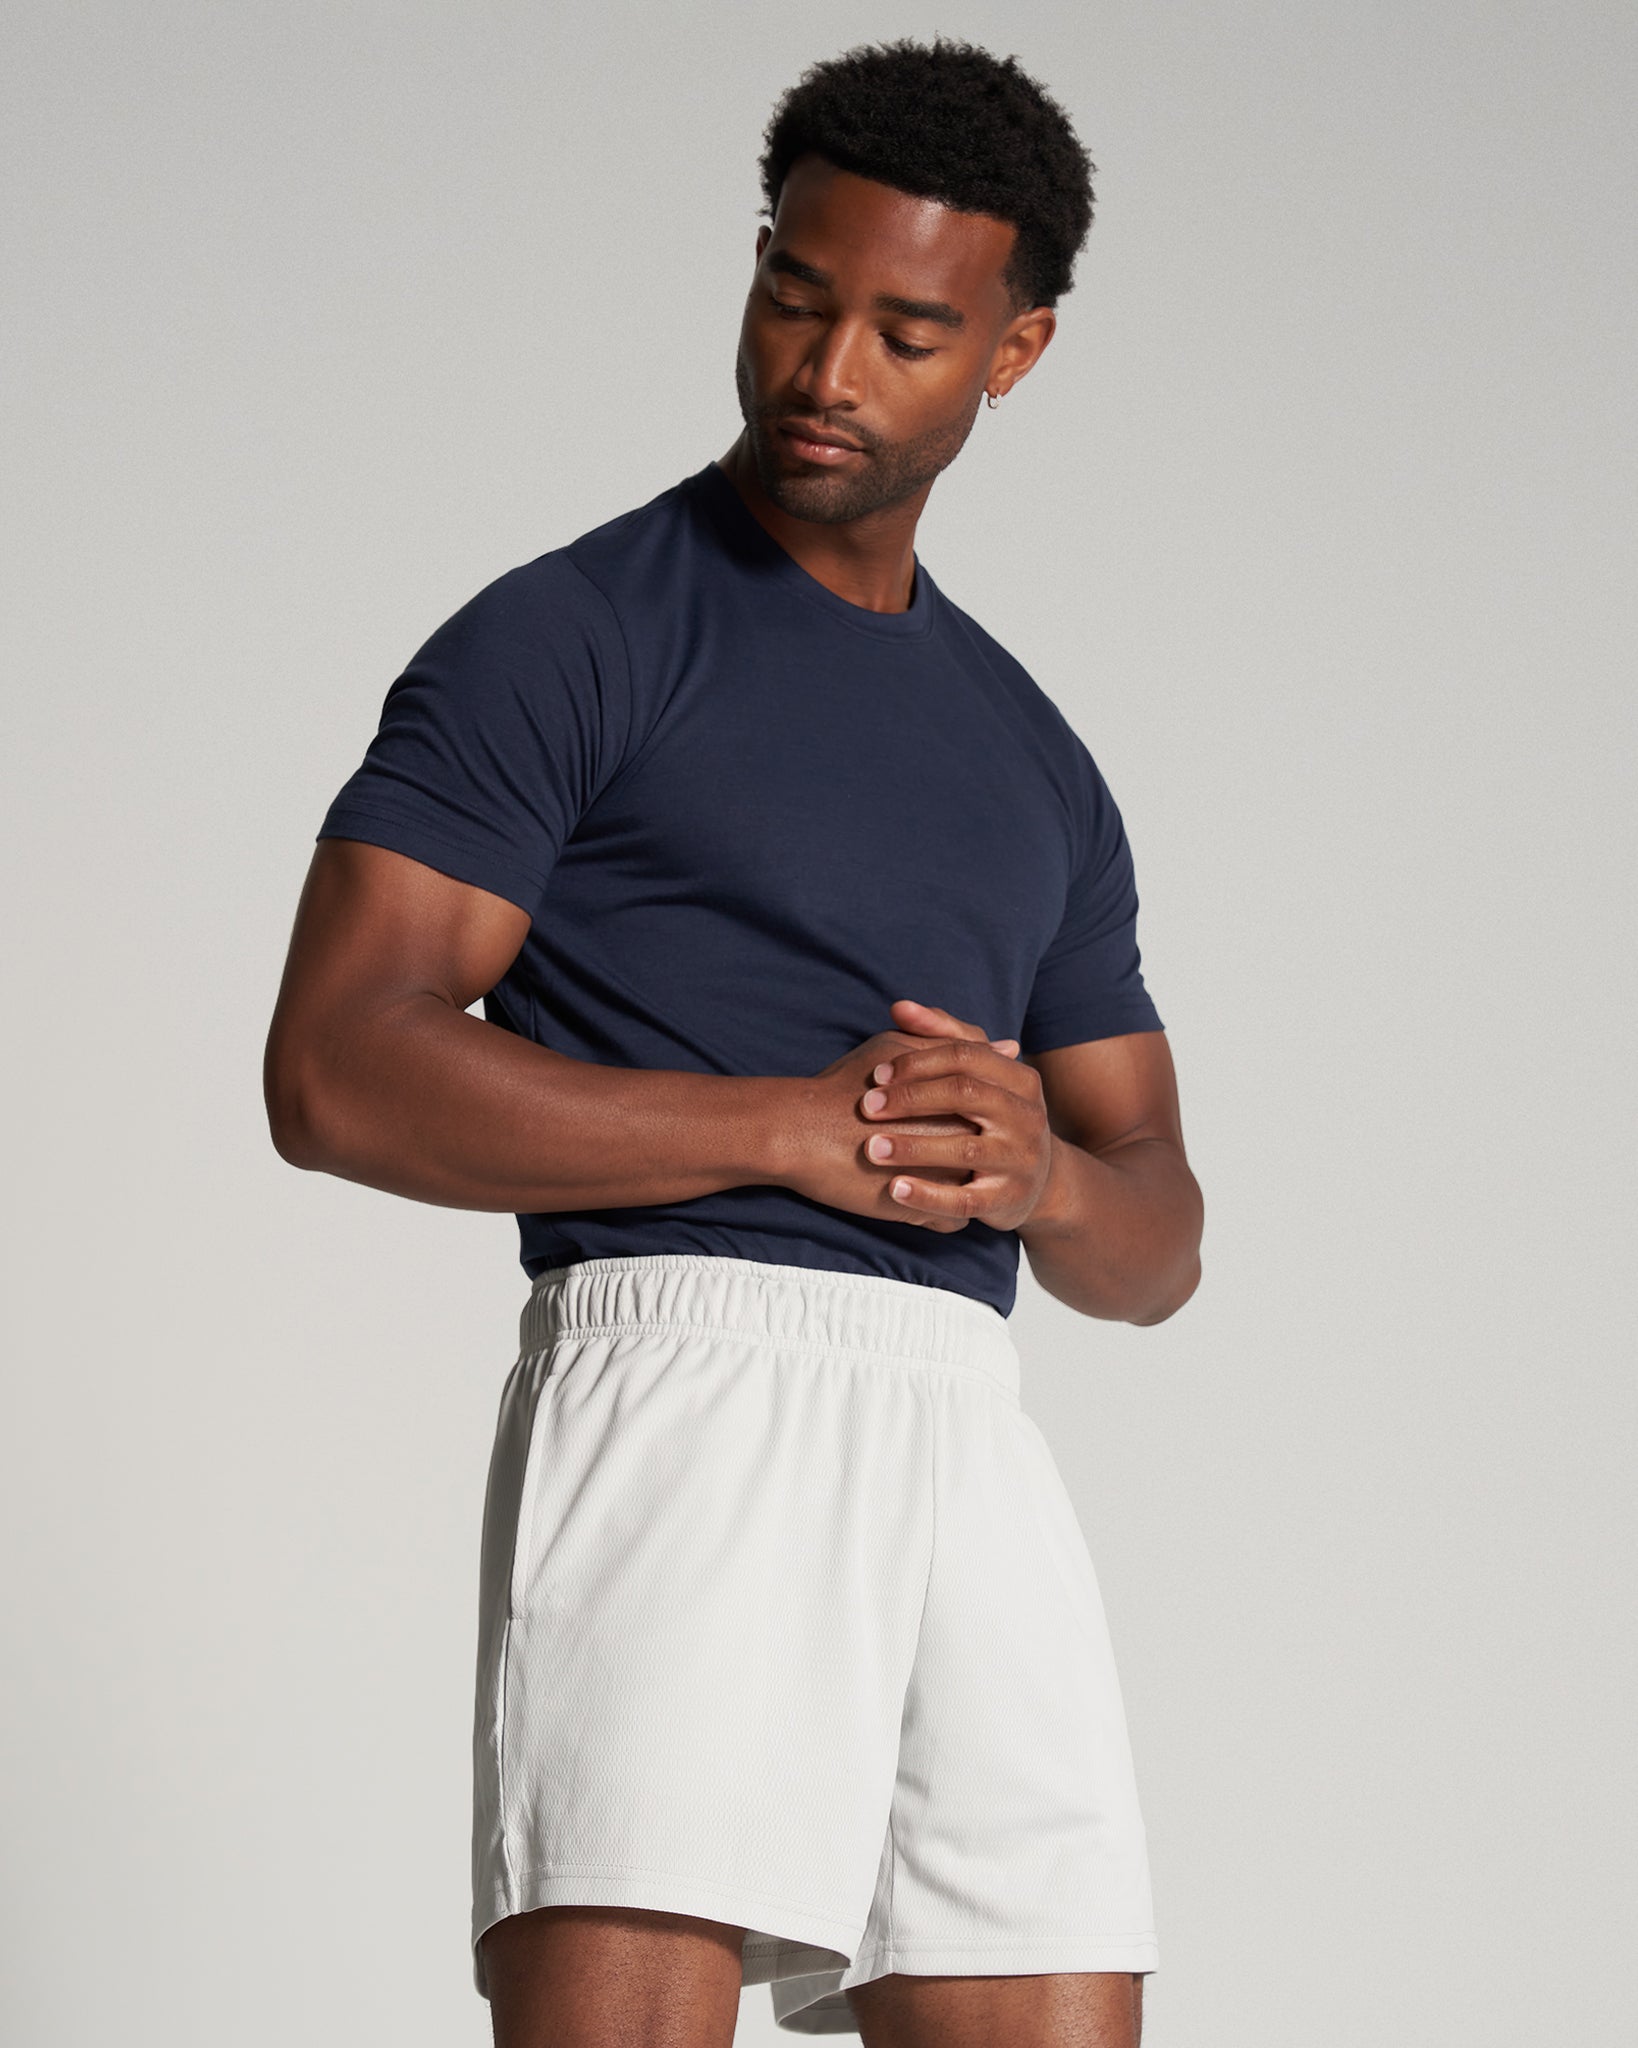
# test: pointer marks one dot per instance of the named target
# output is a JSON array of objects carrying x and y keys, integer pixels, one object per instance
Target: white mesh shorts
[{"x": 787, "y": 1620}]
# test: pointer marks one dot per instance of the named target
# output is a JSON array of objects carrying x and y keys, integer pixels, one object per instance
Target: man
[{"x": 792, "y": 1667}]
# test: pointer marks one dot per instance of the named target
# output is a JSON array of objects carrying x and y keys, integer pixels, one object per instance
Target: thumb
[{"x": 929, "y": 1021}]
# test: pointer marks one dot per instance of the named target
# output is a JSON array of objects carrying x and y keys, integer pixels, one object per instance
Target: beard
[{"x": 891, "y": 471}]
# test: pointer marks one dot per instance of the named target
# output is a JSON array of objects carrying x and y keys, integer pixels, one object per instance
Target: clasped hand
[{"x": 963, "y": 1131}]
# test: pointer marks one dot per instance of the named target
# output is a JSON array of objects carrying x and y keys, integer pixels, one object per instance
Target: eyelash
[{"x": 900, "y": 348}]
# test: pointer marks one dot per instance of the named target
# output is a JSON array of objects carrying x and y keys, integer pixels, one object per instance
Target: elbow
[
  {"x": 1181, "y": 1282},
  {"x": 1180, "y": 1292},
  {"x": 293, "y": 1134},
  {"x": 1183, "y": 1278},
  {"x": 295, "y": 1143},
  {"x": 289, "y": 1098}
]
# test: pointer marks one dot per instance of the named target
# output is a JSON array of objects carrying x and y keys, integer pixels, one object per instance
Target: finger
[
  {"x": 963, "y": 1093},
  {"x": 938, "y": 1199},
  {"x": 948, "y": 1056},
  {"x": 953, "y": 1149},
  {"x": 937, "y": 1023}
]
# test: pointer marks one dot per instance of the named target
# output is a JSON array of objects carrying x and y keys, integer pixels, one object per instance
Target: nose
[{"x": 829, "y": 373}]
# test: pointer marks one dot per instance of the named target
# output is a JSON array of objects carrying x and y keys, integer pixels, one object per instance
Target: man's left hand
[{"x": 961, "y": 1072}]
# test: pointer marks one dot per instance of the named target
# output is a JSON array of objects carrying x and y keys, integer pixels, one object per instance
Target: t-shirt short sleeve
[
  {"x": 1089, "y": 982},
  {"x": 498, "y": 735}
]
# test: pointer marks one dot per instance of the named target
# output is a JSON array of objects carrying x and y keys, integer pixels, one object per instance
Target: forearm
[
  {"x": 1117, "y": 1235},
  {"x": 431, "y": 1103}
]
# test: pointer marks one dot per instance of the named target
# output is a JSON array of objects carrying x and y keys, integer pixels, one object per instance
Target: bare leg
[
  {"x": 1080, "y": 2009},
  {"x": 606, "y": 1976}
]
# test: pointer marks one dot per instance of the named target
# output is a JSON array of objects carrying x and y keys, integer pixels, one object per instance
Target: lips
[{"x": 799, "y": 431}]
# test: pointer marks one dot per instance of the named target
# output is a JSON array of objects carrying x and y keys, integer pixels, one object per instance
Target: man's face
[{"x": 873, "y": 318}]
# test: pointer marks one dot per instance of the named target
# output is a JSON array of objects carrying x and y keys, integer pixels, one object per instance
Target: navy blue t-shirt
[{"x": 744, "y": 815}]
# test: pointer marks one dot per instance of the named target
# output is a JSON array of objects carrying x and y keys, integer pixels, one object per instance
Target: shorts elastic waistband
[{"x": 787, "y": 1305}]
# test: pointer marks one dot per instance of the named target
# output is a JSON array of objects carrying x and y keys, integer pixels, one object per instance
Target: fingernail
[
  {"x": 901, "y": 1190},
  {"x": 884, "y": 1072},
  {"x": 880, "y": 1146},
  {"x": 876, "y": 1099}
]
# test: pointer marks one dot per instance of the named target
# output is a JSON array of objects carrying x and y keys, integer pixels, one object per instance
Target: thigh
[
  {"x": 595, "y": 1976},
  {"x": 1016, "y": 1838},
  {"x": 692, "y": 1681},
  {"x": 1079, "y": 2009}
]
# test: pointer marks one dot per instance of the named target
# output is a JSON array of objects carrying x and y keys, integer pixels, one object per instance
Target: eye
[
  {"x": 904, "y": 348},
  {"x": 790, "y": 311}
]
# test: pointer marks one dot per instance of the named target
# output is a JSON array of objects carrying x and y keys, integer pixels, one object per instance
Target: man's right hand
[
  {"x": 376, "y": 1071},
  {"x": 822, "y": 1142}
]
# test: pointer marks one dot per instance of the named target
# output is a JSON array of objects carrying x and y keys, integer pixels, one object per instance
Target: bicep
[
  {"x": 374, "y": 927},
  {"x": 1106, "y": 1092}
]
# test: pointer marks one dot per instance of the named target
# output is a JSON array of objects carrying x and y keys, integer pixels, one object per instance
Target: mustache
[{"x": 767, "y": 416}]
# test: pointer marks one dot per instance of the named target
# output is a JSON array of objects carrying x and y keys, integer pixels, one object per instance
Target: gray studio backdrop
[{"x": 1318, "y": 520}]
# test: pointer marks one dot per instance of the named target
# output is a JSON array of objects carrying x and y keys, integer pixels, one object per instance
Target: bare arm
[
  {"x": 1079, "y": 1149},
  {"x": 374, "y": 1071},
  {"x": 1117, "y": 1230}
]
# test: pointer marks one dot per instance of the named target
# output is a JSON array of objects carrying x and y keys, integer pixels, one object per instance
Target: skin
[
  {"x": 607, "y": 1976},
  {"x": 827, "y": 355},
  {"x": 1080, "y": 1150},
  {"x": 374, "y": 1071}
]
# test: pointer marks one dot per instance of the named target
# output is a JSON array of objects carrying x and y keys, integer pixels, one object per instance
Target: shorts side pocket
[
  {"x": 1059, "y": 1525},
  {"x": 536, "y": 1462}
]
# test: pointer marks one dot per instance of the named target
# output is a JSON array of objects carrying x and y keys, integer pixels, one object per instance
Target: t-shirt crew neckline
[{"x": 742, "y": 523}]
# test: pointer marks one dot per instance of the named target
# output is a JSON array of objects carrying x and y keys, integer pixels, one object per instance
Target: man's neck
[{"x": 869, "y": 561}]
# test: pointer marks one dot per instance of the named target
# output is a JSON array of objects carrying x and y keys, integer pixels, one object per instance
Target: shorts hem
[
  {"x": 770, "y": 1925},
  {"x": 820, "y": 2005},
  {"x": 1135, "y": 1952}
]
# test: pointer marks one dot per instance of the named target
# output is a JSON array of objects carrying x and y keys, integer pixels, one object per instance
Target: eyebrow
[{"x": 939, "y": 311}]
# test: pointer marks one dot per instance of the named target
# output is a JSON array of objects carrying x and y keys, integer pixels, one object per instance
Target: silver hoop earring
[{"x": 992, "y": 399}]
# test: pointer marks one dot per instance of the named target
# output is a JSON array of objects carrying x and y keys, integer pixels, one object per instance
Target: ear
[
  {"x": 762, "y": 235},
  {"x": 1020, "y": 348}
]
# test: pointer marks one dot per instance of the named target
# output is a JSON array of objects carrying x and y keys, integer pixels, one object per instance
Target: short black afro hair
[{"x": 950, "y": 122}]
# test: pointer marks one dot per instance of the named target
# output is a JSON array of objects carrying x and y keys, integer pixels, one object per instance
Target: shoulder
[
  {"x": 1009, "y": 672},
  {"x": 589, "y": 580},
  {"x": 632, "y": 559},
  {"x": 1064, "y": 753}
]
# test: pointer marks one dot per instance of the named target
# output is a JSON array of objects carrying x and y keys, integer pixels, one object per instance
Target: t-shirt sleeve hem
[
  {"x": 1056, "y": 1029},
  {"x": 481, "y": 867}
]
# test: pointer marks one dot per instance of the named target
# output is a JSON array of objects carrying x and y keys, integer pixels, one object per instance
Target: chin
[
  {"x": 821, "y": 508},
  {"x": 819, "y": 498}
]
